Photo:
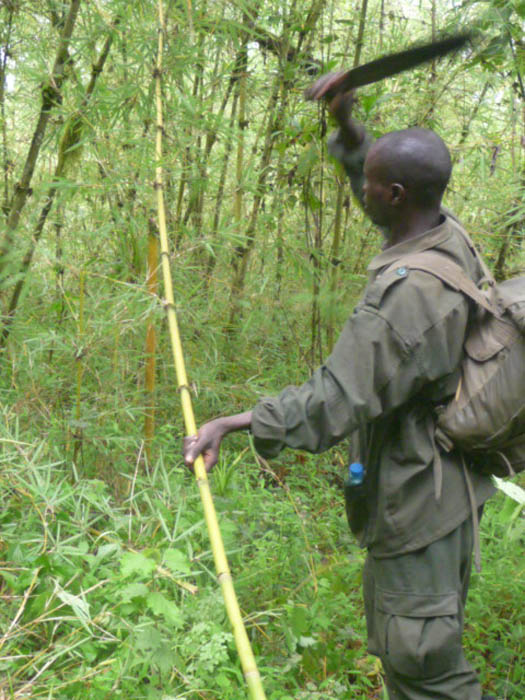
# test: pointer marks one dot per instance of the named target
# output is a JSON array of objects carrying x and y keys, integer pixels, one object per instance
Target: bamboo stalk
[
  {"x": 239, "y": 166},
  {"x": 340, "y": 197},
  {"x": 50, "y": 96},
  {"x": 3, "y": 66},
  {"x": 242, "y": 252},
  {"x": 78, "y": 433},
  {"x": 276, "y": 111},
  {"x": 69, "y": 151},
  {"x": 242, "y": 642},
  {"x": 151, "y": 342},
  {"x": 219, "y": 198}
]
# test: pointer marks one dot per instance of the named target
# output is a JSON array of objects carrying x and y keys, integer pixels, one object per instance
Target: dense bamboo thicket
[{"x": 105, "y": 572}]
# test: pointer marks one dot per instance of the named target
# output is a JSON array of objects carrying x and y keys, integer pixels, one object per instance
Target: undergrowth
[{"x": 110, "y": 592}]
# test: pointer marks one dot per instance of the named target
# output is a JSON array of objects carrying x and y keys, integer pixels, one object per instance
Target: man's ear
[{"x": 398, "y": 193}]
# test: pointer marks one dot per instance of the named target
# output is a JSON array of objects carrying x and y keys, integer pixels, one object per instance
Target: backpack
[{"x": 486, "y": 417}]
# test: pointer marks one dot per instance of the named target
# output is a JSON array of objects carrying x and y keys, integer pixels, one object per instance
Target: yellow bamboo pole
[{"x": 249, "y": 666}]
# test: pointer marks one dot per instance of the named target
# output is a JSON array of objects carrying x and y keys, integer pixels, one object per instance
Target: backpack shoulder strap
[
  {"x": 487, "y": 274},
  {"x": 449, "y": 273}
]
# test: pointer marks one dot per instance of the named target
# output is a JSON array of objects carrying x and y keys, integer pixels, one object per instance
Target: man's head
[{"x": 405, "y": 172}]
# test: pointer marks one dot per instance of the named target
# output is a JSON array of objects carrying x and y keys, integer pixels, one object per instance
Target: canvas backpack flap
[
  {"x": 511, "y": 298},
  {"x": 474, "y": 418},
  {"x": 489, "y": 336}
]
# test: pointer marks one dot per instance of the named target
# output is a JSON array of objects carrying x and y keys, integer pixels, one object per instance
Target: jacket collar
[{"x": 429, "y": 239}]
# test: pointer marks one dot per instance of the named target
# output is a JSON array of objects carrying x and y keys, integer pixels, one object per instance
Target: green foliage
[
  {"x": 487, "y": 631},
  {"x": 118, "y": 596}
]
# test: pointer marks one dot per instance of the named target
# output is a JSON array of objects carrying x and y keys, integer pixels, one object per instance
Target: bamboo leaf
[
  {"x": 79, "y": 606},
  {"x": 511, "y": 490}
]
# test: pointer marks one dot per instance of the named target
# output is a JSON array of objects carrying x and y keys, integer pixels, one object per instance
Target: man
[{"x": 395, "y": 361}]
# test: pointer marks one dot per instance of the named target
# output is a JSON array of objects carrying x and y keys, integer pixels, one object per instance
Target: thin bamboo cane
[
  {"x": 341, "y": 185},
  {"x": 151, "y": 344},
  {"x": 249, "y": 666},
  {"x": 78, "y": 433}
]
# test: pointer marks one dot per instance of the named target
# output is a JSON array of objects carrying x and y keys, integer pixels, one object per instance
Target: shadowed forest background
[{"x": 107, "y": 584}]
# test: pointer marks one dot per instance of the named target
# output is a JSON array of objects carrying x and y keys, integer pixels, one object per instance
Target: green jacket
[{"x": 396, "y": 359}]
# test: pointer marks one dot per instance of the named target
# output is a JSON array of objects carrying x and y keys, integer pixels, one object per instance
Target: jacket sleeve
[
  {"x": 384, "y": 356},
  {"x": 352, "y": 160}
]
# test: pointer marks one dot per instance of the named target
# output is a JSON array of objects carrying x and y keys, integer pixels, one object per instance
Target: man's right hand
[
  {"x": 340, "y": 105},
  {"x": 206, "y": 443},
  {"x": 208, "y": 440},
  {"x": 326, "y": 86}
]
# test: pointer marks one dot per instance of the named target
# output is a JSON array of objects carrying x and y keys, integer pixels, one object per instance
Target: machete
[{"x": 394, "y": 63}]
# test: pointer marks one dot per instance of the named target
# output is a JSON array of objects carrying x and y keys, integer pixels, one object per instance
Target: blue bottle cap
[{"x": 356, "y": 470}]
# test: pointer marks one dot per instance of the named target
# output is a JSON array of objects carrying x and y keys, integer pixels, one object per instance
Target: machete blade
[{"x": 394, "y": 63}]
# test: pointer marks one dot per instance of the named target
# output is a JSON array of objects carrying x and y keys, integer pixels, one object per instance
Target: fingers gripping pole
[{"x": 242, "y": 642}]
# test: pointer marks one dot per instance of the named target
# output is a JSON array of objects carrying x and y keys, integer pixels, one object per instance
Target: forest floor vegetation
[{"x": 109, "y": 591}]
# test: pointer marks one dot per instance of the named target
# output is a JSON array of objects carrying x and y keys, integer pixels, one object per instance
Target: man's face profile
[{"x": 375, "y": 191}]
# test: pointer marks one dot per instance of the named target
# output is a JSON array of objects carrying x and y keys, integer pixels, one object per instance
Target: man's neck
[{"x": 413, "y": 225}]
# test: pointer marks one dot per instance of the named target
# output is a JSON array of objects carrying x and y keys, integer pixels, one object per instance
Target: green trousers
[{"x": 414, "y": 606}]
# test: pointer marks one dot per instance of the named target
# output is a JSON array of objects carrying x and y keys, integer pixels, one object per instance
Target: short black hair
[{"x": 419, "y": 160}]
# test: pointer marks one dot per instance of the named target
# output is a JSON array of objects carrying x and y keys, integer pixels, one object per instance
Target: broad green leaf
[
  {"x": 148, "y": 639},
  {"x": 11, "y": 580},
  {"x": 177, "y": 561},
  {"x": 299, "y": 621},
  {"x": 314, "y": 202},
  {"x": 164, "y": 658},
  {"x": 107, "y": 550},
  {"x": 160, "y": 605},
  {"x": 133, "y": 590},
  {"x": 138, "y": 564}
]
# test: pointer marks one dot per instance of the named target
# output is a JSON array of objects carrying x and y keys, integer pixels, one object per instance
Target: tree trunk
[
  {"x": 433, "y": 66},
  {"x": 466, "y": 126},
  {"x": 242, "y": 252},
  {"x": 3, "y": 65},
  {"x": 514, "y": 230},
  {"x": 219, "y": 198},
  {"x": 68, "y": 150},
  {"x": 50, "y": 96},
  {"x": 241, "y": 126}
]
